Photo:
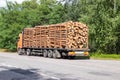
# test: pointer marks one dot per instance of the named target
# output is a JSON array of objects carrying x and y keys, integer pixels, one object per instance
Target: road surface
[{"x": 15, "y": 67}]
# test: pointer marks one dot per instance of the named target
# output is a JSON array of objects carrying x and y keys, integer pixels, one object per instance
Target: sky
[{"x": 3, "y": 2}]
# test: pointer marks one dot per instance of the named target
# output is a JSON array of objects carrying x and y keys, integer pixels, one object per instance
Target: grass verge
[
  {"x": 3, "y": 50},
  {"x": 105, "y": 56}
]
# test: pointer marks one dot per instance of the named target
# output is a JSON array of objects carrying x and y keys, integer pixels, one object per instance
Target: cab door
[{"x": 19, "y": 42}]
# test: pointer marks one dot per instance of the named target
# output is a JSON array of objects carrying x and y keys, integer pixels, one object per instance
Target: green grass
[
  {"x": 3, "y": 50},
  {"x": 105, "y": 56}
]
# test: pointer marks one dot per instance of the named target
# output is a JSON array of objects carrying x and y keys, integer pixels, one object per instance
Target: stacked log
[
  {"x": 77, "y": 35},
  {"x": 71, "y": 35},
  {"x": 28, "y": 37},
  {"x": 42, "y": 39}
]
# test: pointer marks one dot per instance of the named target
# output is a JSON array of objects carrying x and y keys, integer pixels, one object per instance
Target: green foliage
[
  {"x": 105, "y": 21},
  {"x": 105, "y": 56},
  {"x": 102, "y": 17}
]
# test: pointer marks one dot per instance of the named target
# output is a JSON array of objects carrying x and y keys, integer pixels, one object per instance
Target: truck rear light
[
  {"x": 86, "y": 53},
  {"x": 71, "y": 53}
]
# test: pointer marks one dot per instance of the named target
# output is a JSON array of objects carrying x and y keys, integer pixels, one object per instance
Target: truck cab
[{"x": 19, "y": 42}]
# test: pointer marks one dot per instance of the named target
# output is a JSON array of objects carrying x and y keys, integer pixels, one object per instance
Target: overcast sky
[{"x": 3, "y": 2}]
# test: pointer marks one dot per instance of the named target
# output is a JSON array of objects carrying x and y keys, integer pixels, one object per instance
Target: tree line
[{"x": 101, "y": 16}]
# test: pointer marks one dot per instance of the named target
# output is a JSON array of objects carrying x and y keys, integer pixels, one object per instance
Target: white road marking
[
  {"x": 45, "y": 75},
  {"x": 7, "y": 65},
  {"x": 55, "y": 78}
]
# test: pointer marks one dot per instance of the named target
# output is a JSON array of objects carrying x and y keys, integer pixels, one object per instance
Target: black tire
[
  {"x": 64, "y": 54},
  {"x": 19, "y": 52},
  {"x": 28, "y": 52},
  {"x": 50, "y": 53},
  {"x": 56, "y": 54},
  {"x": 45, "y": 53},
  {"x": 24, "y": 51}
]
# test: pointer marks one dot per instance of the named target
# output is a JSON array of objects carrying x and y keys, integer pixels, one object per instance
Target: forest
[{"x": 101, "y": 16}]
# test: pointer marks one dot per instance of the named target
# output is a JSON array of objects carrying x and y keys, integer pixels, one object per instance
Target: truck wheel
[
  {"x": 28, "y": 53},
  {"x": 56, "y": 54},
  {"x": 24, "y": 51},
  {"x": 45, "y": 53},
  {"x": 64, "y": 55},
  {"x": 20, "y": 52},
  {"x": 50, "y": 53}
]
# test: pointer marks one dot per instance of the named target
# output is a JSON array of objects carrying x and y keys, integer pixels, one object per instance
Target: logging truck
[{"x": 68, "y": 39}]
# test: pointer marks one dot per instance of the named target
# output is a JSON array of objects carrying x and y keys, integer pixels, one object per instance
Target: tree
[
  {"x": 16, "y": 16},
  {"x": 101, "y": 16}
]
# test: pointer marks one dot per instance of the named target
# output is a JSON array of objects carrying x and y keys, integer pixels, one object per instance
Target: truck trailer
[{"x": 68, "y": 39}]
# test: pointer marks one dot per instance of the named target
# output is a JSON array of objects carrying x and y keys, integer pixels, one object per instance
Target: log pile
[
  {"x": 71, "y": 35},
  {"x": 28, "y": 37},
  {"x": 77, "y": 35},
  {"x": 41, "y": 37}
]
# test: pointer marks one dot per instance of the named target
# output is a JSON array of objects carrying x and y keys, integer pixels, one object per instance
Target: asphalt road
[{"x": 15, "y": 67}]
